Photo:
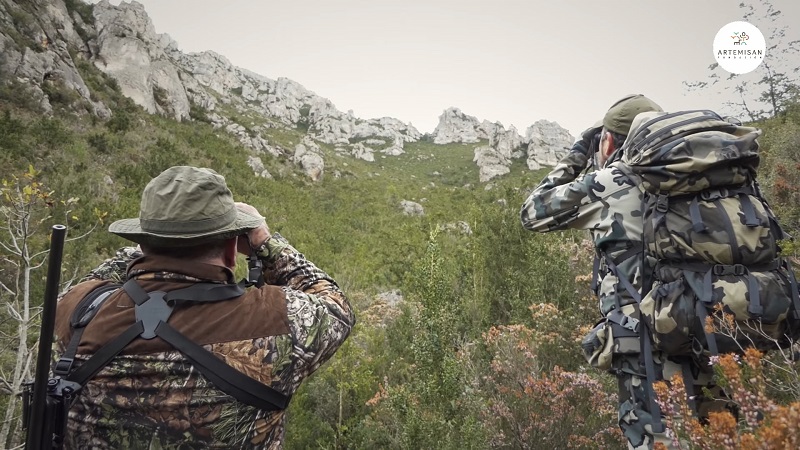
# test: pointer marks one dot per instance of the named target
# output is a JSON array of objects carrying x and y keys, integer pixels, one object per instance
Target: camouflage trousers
[{"x": 635, "y": 419}]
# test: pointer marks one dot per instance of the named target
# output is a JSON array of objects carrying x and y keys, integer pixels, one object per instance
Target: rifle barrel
[{"x": 35, "y": 440}]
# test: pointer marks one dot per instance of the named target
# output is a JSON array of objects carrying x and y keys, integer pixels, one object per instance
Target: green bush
[
  {"x": 198, "y": 113},
  {"x": 120, "y": 122},
  {"x": 14, "y": 137},
  {"x": 99, "y": 142},
  {"x": 59, "y": 95},
  {"x": 19, "y": 95},
  {"x": 780, "y": 170}
]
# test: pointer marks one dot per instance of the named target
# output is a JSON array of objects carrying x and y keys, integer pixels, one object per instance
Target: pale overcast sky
[{"x": 509, "y": 61}]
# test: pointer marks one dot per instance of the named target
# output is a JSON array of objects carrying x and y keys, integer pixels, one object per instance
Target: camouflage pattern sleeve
[
  {"x": 568, "y": 169},
  {"x": 554, "y": 204},
  {"x": 320, "y": 316},
  {"x": 566, "y": 199},
  {"x": 115, "y": 268}
]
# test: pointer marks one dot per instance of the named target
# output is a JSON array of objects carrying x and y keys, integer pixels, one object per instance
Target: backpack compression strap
[
  {"x": 647, "y": 351},
  {"x": 152, "y": 312}
]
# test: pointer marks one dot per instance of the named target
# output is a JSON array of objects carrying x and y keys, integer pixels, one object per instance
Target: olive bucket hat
[
  {"x": 621, "y": 114},
  {"x": 185, "y": 206}
]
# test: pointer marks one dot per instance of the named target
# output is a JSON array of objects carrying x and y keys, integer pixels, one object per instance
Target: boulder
[
  {"x": 308, "y": 156},
  {"x": 491, "y": 163},
  {"x": 257, "y": 165},
  {"x": 410, "y": 208}
]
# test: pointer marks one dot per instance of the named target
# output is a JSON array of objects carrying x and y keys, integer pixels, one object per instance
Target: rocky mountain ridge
[{"x": 40, "y": 41}]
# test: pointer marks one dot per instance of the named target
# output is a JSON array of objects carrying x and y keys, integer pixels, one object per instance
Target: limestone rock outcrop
[
  {"x": 257, "y": 165},
  {"x": 129, "y": 49},
  {"x": 308, "y": 156},
  {"x": 547, "y": 142},
  {"x": 491, "y": 163},
  {"x": 455, "y": 126},
  {"x": 361, "y": 151},
  {"x": 544, "y": 142},
  {"x": 154, "y": 73}
]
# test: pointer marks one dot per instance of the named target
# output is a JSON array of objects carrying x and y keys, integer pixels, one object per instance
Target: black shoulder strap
[
  {"x": 152, "y": 313},
  {"x": 226, "y": 378},
  {"x": 83, "y": 314}
]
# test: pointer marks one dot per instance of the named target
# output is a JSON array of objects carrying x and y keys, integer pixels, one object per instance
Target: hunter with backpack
[{"x": 688, "y": 263}]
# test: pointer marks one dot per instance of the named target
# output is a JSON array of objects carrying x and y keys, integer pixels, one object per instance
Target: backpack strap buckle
[
  {"x": 662, "y": 203},
  {"x": 151, "y": 308},
  {"x": 629, "y": 323},
  {"x": 152, "y": 312},
  {"x": 727, "y": 270},
  {"x": 63, "y": 366}
]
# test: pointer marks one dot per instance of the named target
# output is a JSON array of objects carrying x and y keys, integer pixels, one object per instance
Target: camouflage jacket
[
  {"x": 606, "y": 203},
  {"x": 151, "y": 397}
]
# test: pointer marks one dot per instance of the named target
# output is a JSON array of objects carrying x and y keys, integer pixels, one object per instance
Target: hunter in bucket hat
[{"x": 185, "y": 206}]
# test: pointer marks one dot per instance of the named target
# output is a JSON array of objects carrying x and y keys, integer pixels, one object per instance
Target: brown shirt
[{"x": 257, "y": 313}]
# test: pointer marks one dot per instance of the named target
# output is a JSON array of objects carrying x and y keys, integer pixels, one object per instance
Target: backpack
[{"x": 718, "y": 283}]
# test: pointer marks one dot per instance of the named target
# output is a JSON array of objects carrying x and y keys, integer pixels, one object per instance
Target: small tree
[{"x": 25, "y": 207}]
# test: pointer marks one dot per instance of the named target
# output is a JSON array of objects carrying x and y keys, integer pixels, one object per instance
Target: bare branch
[
  {"x": 8, "y": 249},
  {"x": 6, "y": 288},
  {"x": 13, "y": 312}
]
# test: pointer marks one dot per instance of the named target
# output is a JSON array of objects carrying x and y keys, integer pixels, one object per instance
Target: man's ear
[
  {"x": 610, "y": 146},
  {"x": 230, "y": 252}
]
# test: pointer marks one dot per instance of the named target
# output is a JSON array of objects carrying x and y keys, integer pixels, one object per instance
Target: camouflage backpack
[{"x": 712, "y": 236}]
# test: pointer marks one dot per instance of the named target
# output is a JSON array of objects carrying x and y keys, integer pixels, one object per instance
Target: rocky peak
[
  {"x": 506, "y": 142},
  {"x": 154, "y": 73},
  {"x": 455, "y": 126},
  {"x": 504, "y": 145},
  {"x": 544, "y": 143},
  {"x": 547, "y": 142}
]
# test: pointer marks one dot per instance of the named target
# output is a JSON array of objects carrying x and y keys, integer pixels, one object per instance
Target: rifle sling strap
[{"x": 152, "y": 312}]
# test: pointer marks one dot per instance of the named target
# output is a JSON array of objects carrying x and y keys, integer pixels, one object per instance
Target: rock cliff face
[
  {"x": 35, "y": 45},
  {"x": 43, "y": 42},
  {"x": 129, "y": 50},
  {"x": 455, "y": 126},
  {"x": 544, "y": 144}
]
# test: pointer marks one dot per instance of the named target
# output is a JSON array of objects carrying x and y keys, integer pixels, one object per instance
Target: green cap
[
  {"x": 620, "y": 116},
  {"x": 185, "y": 206}
]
